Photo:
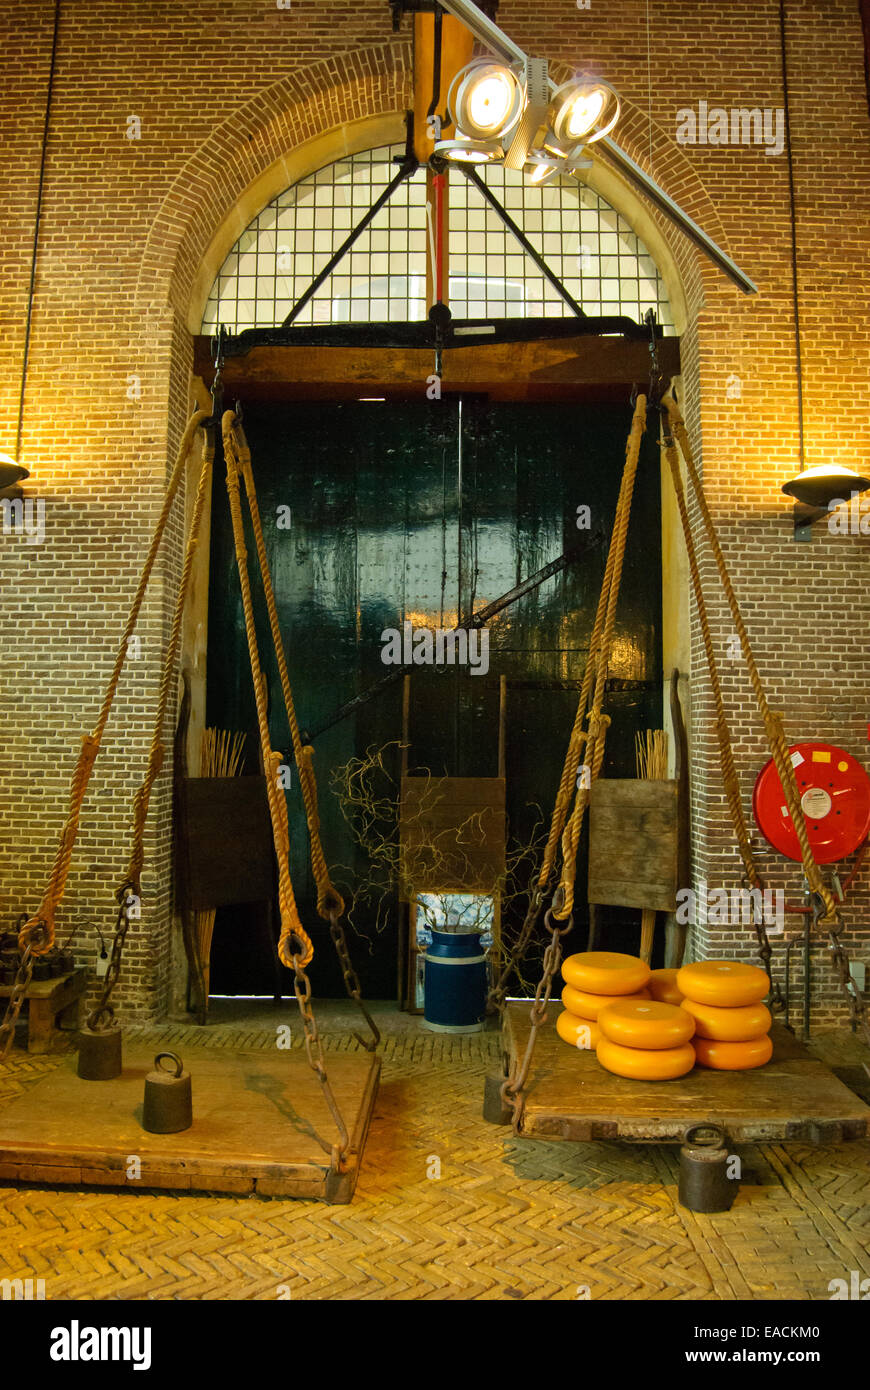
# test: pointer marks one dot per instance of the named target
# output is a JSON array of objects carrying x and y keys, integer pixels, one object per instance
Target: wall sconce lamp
[
  {"x": 816, "y": 488},
  {"x": 11, "y": 472},
  {"x": 814, "y": 491}
]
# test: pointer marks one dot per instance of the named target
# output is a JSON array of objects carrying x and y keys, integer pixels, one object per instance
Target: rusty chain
[
  {"x": 512, "y": 1088},
  {"x": 765, "y": 951},
  {"x": 19, "y": 989},
  {"x": 314, "y": 1052},
  {"x": 497, "y": 993},
  {"x": 857, "y": 1007},
  {"x": 102, "y": 1016},
  {"x": 351, "y": 980}
]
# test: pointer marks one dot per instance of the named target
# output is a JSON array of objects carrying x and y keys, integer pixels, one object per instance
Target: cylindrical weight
[
  {"x": 168, "y": 1103},
  {"x": 99, "y": 1054},
  {"x": 10, "y": 960},
  {"x": 705, "y": 1184}
]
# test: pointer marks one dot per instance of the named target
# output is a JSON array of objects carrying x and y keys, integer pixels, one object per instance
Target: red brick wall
[{"x": 222, "y": 91}]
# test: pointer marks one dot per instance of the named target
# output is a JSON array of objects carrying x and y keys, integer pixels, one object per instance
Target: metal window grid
[{"x": 588, "y": 245}]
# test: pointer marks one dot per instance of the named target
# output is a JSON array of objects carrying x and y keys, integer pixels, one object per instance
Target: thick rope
[
  {"x": 43, "y": 921},
  {"x": 772, "y": 722},
  {"x": 568, "y": 782},
  {"x": 156, "y": 753},
  {"x": 723, "y": 733},
  {"x": 576, "y": 745},
  {"x": 293, "y": 934},
  {"x": 329, "y": 901},
  {"x": 599, "y": 722},
  {"x": 730, "y": 779}
]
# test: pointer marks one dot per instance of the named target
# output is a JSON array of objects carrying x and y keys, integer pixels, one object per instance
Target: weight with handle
[
  {"x": 705, "y": 1184},
  {"x": 168, "y": 1105},
  {"x": 42, "y": 968},
  {"x": 66, "y": 962},
  {"x": 10, "y": 960},
  {"x": 99, "y": 1054}
]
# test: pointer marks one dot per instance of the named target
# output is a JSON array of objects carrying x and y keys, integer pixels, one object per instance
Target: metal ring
[
  {"x": 333, "y": 904},
  {"x": 718, "y": 1135},
  {"x": 294, "y": 946},
  {"x": 548, "y": 923},
  {"x": 179, "y": 1065},
  {"x": 39, "y": 937},
  {"x": 102, "y": 1019}
]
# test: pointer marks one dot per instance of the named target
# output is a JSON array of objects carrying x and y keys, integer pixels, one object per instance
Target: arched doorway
[{"x": 424, "y": 511}]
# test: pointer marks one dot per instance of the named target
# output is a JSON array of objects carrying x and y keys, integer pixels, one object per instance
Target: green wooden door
[{"x": 427, "y": 513}]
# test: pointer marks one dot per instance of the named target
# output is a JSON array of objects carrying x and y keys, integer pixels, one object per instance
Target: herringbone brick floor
[{"x": 449, "y": 1207}]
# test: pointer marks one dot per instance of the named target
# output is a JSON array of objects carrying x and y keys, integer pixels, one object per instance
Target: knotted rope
[
  {"x": 293, "y": 935},
  {"x": 39, "y": 930}
]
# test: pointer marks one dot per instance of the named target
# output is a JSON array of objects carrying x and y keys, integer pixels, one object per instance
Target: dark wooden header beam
[{"x": 564, "y": 369}]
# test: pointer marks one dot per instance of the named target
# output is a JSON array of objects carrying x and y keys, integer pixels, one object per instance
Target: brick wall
[{"x": 223, "y": 92}]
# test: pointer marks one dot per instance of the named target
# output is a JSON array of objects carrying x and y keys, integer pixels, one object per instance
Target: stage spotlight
[
  {"x": 485, "y": 99},
  {"x": 583, "y": 111}
]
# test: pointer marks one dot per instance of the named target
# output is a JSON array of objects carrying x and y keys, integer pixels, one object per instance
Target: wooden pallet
[
  {"x": 569, "y": 1095},
  {"x": 257, "y": 1116}
]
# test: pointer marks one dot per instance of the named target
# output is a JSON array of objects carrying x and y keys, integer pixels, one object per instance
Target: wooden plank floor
[
  {"x": 570, "y": 1096},
  {"x": 257, "y": 1118}
]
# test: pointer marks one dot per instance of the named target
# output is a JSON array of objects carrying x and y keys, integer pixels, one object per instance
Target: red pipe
[{"x": 438, "y": 181}]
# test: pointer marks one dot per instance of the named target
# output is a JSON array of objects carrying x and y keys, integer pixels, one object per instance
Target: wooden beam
[
  {"x": 457, "y": 44},
  {"x": 562, "y": 369}
]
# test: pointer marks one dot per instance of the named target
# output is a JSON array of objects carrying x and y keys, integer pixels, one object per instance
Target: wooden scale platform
[
  {"x": 569, "y": 1095},
  {"x": 256, "y": 1118}
]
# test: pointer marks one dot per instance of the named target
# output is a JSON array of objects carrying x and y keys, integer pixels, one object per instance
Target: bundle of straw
[
  {"x": 651, "y": 756},
  {"x": 222, "y": 752}
]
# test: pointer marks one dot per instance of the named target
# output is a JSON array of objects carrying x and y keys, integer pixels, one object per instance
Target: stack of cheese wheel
[
  {"x": 662, "y": 985},
  {"x": 645, "y": 1039},
  {"x": 592, "y": 980},
  {"x": 731, "y": 1023}
]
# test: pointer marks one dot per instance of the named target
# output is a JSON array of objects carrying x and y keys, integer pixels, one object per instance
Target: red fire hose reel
[{"x": 835, "y": 797}]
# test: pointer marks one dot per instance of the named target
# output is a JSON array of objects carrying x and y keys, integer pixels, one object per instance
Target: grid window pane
[{"x": 583, "y": 240}]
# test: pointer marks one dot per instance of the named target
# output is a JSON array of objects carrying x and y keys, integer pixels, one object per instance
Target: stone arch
[
  {"x": 303, "y": 121},
  {"x": 252, "y": 147},
  {"x": 347, "y": 104}
]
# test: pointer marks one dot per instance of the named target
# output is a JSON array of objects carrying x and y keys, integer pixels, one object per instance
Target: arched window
[{"x": 587, "y": 244}]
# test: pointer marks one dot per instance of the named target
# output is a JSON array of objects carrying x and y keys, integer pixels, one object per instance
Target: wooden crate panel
[
  {"x": 633, "y": 843},
  {"x": 225, "y": 841},
  {"x": 570, "y": 1095},
  {"x": 465, "y": 817}
]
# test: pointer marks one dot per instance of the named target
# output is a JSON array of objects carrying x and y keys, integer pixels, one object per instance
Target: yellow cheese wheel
[
  {"x": 727, "y": 983},
  {"x": 662, "y": 985},
  {"x": 579, "y": 1032},
  {"x": 729, "y": 1025},
  {"x": 644, "y": 1064},
  {"x": 733, "y": 1056},
  {"x": 579, "y": 1001},
  {"x": 638, "y": 1023},
  {"x": 605, "y": 972}
]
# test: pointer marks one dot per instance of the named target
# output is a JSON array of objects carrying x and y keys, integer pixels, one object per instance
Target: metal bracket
[{"x": 805, "y": 519}]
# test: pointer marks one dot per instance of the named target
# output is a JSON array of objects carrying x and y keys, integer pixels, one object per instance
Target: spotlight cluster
[{"x": 498, "y": 115}]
